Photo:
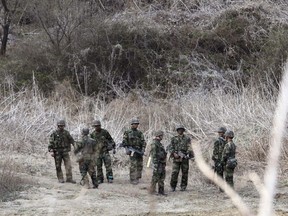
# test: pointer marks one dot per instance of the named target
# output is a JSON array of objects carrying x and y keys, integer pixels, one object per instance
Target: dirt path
[{"x": 48, "y": 197}]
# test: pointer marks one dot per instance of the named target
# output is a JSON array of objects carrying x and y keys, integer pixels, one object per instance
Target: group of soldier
[{"x": 93, "y": 150}]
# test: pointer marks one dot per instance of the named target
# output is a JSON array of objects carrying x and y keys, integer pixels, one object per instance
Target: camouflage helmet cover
[
  {"x": 158, "y": 133},
  {"x": 96, "y": 123},
  {"x": 229, "y": 133},
  {"x": 61, "y": 122},
  {"x": 180, "y": 127},
  {"x": 85, "y": 131},
  {"x": 221, "y": 130},
  {"x": 135, "y": 121}
]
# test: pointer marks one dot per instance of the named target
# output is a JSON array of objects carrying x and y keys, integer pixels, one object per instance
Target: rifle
[
  {"x": 183, "y": 155},
  {"x": 131, "y": 151}
]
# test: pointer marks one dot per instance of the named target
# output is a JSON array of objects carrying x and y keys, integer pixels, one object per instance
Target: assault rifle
[
  {"x": 131, "y": 151},
  {"x": 183, "y": 155}
]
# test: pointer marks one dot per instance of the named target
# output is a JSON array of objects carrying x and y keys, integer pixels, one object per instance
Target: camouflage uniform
[
  {"x": 135, "y": 139},
  {"x": 180, "y": 144},
  {"x": 217, "y": 155},
  {"x": 229, "y": 153},
  {"x": 104, "y": 140},
  {"x": 60, "y": 143},
  {"x": 89, "y": 151},
  {"x": 158, "y": 155}
]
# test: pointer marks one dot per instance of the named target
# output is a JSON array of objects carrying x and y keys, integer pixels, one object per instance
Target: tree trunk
[{"x": 4, "y": 39}]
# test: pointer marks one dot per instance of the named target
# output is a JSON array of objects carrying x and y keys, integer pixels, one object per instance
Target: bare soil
[{"x": 48, "y": 197}]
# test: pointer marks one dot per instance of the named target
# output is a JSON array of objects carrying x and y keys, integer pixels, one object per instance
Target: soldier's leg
[
  {"x": 83, "y": 171},
  {"x": 139, "y": 167},
  {"x": 229, "y": 176},
  {"x": 92, "y": 173},
  {"x": 58, "y": 163},
  {"x": 154, "y": 181},
  {"x": 99, "y": 163},
  {"x": 185, "y": 170},
  {"x": 133, "y": 168},
  {"x": 175, "y": 173},
  {"x": 161, "y": 181},
  {"x": 68, "y": 167},
  {"x": 108, "y": 166}
]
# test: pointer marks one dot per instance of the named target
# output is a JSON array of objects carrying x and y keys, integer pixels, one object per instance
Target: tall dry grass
[{"x": 27, "y": 118}]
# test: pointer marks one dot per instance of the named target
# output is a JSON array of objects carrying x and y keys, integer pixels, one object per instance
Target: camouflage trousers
[
  {"x": 88, "y": 166},
  {"x": 218, "y": 168},
  {"x": 106, "y": 159},
  {"x": 228, "y": 172},
  {"x": 136, "y": 166},
  {"x": 159, "y": 174},
  {"x": 58, "y": 157},
  {"x": 184, "y": 166}
]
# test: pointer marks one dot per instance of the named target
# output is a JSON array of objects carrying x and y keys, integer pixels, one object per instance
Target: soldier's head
[
  {"x": 61, "y": 124},
  {"x": 97, "y": 125},
  {"x": 85, "y": 131},
  {"x": 134, "y": 123},
  {"x": 180, "y": 129},
  {"x": 221, "y": 131},
  {"x": 229, "y": 135},
  {"x": 159, "y": 134}
]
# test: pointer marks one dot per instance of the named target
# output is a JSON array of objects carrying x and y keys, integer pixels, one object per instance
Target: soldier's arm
[
  {"x": 77, "y": 147},
  {"x": 215, "y": 151},
  {"x": 225, "y": 154},
  {"x": 51, "y": 142},
  {"x": 190, "y": 150},
  {"x": 70, "y": 138},
  {"x": 172, "y": 145},
  {"x": 125, "y": 141},
  {"x": 154, "y": 153},
  {"x": 110, "y": 139},
  {"x": 143, "y": 142}
]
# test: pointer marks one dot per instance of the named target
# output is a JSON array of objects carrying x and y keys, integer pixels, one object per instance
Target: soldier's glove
[
  {"x": 213, "y": 158},
  {"x": 114, "y": 151}
]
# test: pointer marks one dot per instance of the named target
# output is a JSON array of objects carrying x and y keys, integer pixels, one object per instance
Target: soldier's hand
[
  {"x": 176, "y": 156},
  {"x": 52, "y": 154},
  {"x": 114, "y": 151}
]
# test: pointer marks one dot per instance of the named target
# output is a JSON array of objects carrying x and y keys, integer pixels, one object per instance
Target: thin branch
[{"x": 277, "y": 133}]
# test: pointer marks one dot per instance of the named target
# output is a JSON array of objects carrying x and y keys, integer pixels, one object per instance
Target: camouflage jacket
[
  {"x": 228, "y": 152},
  {"x": 157, "y": 152},
  {"x": 87, "y": 148},
  {"x": 180, "y": 144},
  {"x": 135, "y": 139},
  {"x": 103, "y": 139},
  {"x": 218, "y": 149},
  {"x": 60, "y": 141}
]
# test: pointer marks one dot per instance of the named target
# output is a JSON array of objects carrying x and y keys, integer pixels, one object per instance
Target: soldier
[
  {"x": 228, "y": 160},
  {"x": 181, "y": 151},
  {"x": 105, "y": 143},
  {"x": 135, "y": 139},
  {"x": 60, "y": 145},
  {"x": 217, "y": 151},
  {"x": 89, "y": 151},
  {"x": 158, "y": 155}
]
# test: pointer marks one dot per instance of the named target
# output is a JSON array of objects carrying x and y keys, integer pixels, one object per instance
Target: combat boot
[
  {"x": 61, "y": 181},
  {"x": 161, "y": 191},
  {"x": 71, "y": 181},
  {"x": 173, "y": 189}
]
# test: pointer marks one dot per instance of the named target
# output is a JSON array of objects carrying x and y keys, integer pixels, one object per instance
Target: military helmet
[
  {"x": 158, "y": 133},
  {"x": 221, "y": 130},
  {"x": 134, "y": 121},
  {"x": 61, "y": 122},
  {"x": 96, "y": 123},
  {"x": 85, "y": 131},
  {"x": 229, "y": 133},
  {"x": 180, "y": 127}
]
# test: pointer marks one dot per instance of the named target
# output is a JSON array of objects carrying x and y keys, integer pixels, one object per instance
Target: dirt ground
[{"x": 48, "y": 197}]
